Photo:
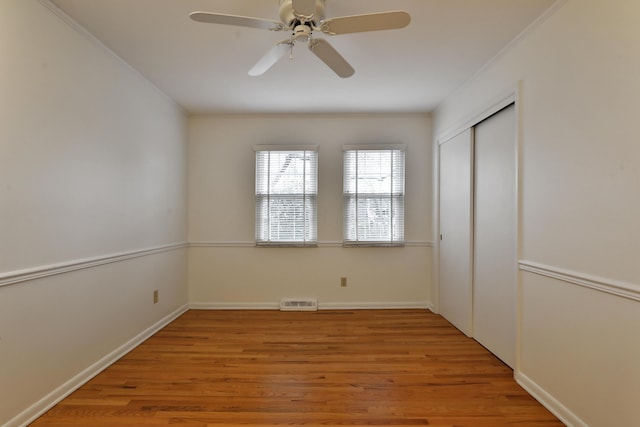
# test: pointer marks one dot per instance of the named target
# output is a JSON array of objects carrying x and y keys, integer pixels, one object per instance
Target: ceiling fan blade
[
  {"x": 241, "y": 21},
  {"x": 304, "y": 8},
  {"x": 323, "y": 50},
  {"x": 369, "y": 22},
  {"x": 270, "y": 58}
]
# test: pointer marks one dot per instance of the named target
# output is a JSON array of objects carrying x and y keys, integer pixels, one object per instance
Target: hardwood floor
[{"x": 266, "y": 368}]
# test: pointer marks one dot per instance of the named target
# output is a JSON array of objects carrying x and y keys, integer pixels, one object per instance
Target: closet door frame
[{"x": 510, "y": 96}]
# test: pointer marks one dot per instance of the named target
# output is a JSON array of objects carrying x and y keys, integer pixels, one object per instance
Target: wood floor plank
[{"x": 268, "y": 368}]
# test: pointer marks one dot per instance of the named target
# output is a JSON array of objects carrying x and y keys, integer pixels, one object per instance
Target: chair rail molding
[
  {"x": 321, "y": 244},
  {"x": 19, "y": 276},
  {"x": 610, "y": 286}
]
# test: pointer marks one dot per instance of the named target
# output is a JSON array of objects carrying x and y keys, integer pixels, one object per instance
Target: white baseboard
[
  {"x": 47, "y": 402},
  {"x": 321, "y": 306},
  {"x": 548, "y": 401}
]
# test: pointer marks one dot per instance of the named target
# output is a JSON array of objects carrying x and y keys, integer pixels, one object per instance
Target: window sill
[
  {"x": 373, "y": 245},
  {"x": 287, "y": 245}
]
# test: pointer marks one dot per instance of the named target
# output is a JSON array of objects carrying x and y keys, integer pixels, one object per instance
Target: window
[
  {"x": 374, "y": 195},
  {"x": 286, "y": 195}
]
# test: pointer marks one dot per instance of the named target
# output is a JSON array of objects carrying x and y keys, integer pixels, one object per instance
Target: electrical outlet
[
  {"x": 343, "y": 282},
  {"x": 155, "y": 296}
]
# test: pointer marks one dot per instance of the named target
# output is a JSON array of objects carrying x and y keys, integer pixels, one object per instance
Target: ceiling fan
[{"x": 302, "y": 18}]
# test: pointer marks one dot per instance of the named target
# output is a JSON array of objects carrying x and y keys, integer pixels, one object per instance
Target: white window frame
[
  {"x": 351, "y": 236},
  {"x": 309, "y": 195}
]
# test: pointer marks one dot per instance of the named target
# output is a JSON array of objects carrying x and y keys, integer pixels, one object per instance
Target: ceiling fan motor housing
[{"x": 289, "y": 18}]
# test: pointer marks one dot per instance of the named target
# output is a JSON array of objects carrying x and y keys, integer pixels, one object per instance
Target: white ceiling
[{"x": 204, "y": 67}]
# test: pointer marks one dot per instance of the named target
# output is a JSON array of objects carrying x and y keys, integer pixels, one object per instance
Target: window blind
[
  {"x": 374, "y": 196},
  {"x": 286, "y": 196}
]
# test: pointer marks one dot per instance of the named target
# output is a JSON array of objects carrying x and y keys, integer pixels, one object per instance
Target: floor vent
[{"x": 297, "y": 304}]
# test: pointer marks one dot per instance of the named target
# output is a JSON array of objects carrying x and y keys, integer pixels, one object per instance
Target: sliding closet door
[
  {"x": 456, "y": 162},
  {"x": 495, "y": 252}
]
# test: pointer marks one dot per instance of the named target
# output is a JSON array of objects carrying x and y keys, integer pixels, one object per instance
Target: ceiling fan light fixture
[
  {"x": 292, "y": 11},
  {"x": 301, "y": 33}
]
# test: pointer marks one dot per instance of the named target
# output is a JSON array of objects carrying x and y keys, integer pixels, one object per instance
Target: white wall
[
  {"x": 580, "y": 203},
  {"x": 92, "y": 207},
  {"x": 225, "y": 269}
]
